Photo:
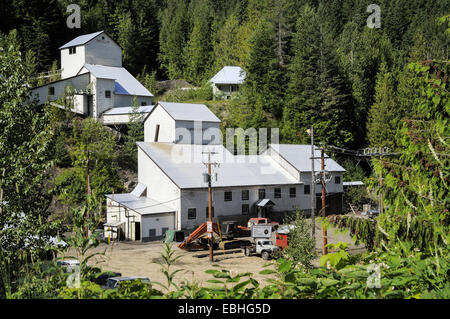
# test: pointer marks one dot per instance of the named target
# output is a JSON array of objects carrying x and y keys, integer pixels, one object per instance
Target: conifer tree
[
  {"x": 173, "y": 36},
  {"x": 383, "y": 115},
  {"x": 318, "y": 94}
]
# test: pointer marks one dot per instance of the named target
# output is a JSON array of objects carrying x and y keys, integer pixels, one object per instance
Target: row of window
[
  {"x": 192, "y": 212},
  {"x": 245, "y": 195}
]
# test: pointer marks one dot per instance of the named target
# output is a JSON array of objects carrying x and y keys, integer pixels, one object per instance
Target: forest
[{"x": 307, "y": 62}]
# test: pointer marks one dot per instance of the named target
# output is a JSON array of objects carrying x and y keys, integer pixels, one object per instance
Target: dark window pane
[
  {"x": 192, "y": 213},
  {"x": 245, "y": 194},
  {"x": 228, "y": 196},
  {"x": 277, "y": 192},
  {"x": 261, "y": 193},
  {"x": 307, "y": 189},
  {"x": 292, "y": 192},
  {"x": 245, "y": 209}
]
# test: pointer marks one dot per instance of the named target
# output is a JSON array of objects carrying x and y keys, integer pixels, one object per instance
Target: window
[
  {"x": 245, "y": 194},
  {"x": 307, "y": 189},
  {"x": 245, "y": 209},
  {"x": 107, "y": 94},
  {"x": 277, "y": 192},
  {"x": 51, "y": 90},
  {"x": 207, "y": 212},
  {"x": 292, "y": 192},
  {"x": 192, "y": 213},
  {"x": 337, "y": 179},
  {"x": 143, "y": 103},
  {"x": 261, "y": 193},
  {"x": 72, "y": 50},
  {"x": 228, "y": 196},
  {"x": 152, "y": 232}
]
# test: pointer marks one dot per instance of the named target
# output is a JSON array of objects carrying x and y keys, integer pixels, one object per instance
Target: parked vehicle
[
  {"x": 263, "y": 247},
  {"x": 114, "y": 282},
  {"x": 261, "y": 221},
  {"x": 371, "y": 213},
  {"x": 103, "y": 277}
]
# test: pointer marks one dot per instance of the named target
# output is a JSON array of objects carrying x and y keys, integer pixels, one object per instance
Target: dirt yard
[{"x": 138, "y": 259}]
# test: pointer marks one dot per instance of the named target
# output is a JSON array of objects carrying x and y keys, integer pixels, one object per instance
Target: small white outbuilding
[{"x": 227, "y": 81}]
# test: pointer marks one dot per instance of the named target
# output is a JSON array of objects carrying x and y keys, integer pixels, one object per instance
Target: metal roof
[
  {"x": 184, "y": 165},
  {"x": 82, "y": 39},
  {"x": 142, "y": 205},
  {"x": 125, "y": 83},
  {"x": 265, "y": 202},
  {"x": 128, "y": 110},
  {"x": 229, "y": 75},
  {"x": 356, "y": 183},
  {"x": 189, "y": 112},
  {"x": 299, "y": 156}
]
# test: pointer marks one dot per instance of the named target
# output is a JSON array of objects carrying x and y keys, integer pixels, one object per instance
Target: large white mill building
[
  {"x": 92, "y": 66},
  {"x": 172, "y": 193}
]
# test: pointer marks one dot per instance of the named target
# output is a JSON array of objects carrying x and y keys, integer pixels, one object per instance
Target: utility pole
[
  {"x": 210, "y": 234},
  {"x": 313, "y": 184},
  {"x": 324, "y": 230}
]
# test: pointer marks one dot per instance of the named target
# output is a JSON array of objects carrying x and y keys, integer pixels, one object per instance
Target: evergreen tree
[
  {"x": 318, "y": 94},
  {"x": 383, "y": 115},
  {"x": 226, "y": 44},
  {"x": 198, "y": 50},
  {"x": 173, "y": 37}
]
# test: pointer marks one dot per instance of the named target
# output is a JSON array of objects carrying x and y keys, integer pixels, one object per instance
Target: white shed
[{"x": 227, "y": 81}]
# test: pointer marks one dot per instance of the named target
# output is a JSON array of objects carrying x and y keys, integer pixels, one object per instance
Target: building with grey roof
[
  {"x": 227, "y": 81},
  {"x": 179, "y": 138},
  {"x": 101, "y": 87}
]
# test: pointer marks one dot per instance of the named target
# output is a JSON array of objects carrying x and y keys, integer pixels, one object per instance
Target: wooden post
[
  {"x": 211, "y": 259},
  {"x": 313, "y": 186},
  {"x": 324, "y": 231}
]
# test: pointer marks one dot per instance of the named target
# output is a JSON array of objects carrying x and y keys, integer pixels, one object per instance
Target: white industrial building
[
  {"x": 172, "y": 193},
  {"x": 227, "y": 81},
  {"x": 92, "y": 67}
]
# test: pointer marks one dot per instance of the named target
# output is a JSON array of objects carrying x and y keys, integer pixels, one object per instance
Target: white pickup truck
[{"x": 263, "y": 247}]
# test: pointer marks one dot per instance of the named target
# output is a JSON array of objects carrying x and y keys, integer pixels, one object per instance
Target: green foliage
[
  {"x": 301, "y": 244},
  {"x": 203, "y": 93},
  {"x": 361, "y": 229},
  {"x": 416, "y": 185},
  {"x": 168, "y": 260},
  {"x": 128, "y": 156},
  {"x": 337, "y": 259},
  {"x": 89, "y": 140},
  {"x": 26, "y": 150}
]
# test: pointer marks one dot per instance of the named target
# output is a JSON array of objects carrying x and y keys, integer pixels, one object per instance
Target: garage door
[{"x": 154, "y": 226}]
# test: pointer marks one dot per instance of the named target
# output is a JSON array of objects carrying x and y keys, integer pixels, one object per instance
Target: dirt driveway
[{"x": 138, "y": 259}]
